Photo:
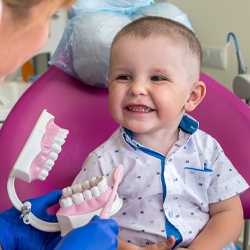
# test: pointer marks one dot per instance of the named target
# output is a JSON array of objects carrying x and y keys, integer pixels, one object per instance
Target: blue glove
[
  {"x": 15, "y": 234},
  {"x": 97, "y": 234}
]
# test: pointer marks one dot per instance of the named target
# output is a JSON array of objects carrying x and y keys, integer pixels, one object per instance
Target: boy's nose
[{"x": 138, "y": 88}]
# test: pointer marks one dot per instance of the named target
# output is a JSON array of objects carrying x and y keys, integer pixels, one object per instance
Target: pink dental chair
[{"x": 84, "y": 112}]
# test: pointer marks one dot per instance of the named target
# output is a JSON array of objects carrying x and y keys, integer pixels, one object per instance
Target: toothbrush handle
[{"x": 106, "y": 209}]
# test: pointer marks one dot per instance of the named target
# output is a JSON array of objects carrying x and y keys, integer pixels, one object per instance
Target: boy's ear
[{"x": 197, "y": 94}]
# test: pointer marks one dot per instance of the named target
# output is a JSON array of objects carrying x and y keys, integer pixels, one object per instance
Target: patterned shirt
[{"x": 165, "y": 195}]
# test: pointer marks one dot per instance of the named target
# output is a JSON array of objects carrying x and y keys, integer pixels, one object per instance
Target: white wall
[
  {"x": 56, "y": 30},
  {"x": 212, "y": 21}
]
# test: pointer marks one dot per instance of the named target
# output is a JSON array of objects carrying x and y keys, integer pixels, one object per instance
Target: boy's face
[{"x": 148, "y": 84}]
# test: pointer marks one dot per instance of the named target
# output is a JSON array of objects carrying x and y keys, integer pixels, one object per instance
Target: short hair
[{"x": 155, "y": 26}]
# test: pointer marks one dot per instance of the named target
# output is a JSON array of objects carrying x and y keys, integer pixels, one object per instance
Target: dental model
[
  {"x": 34, "y": 163},
  {"x": 81, "y": 202},
  {"x": 78, "y": 203},
  {"x": 45, "y": 143}
]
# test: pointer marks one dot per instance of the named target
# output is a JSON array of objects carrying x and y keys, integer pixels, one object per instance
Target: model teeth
[
  {"x": 59, "y": 140},
  {"x": 66, "y": 192},
  {"x": 41, "y": 149},
  {"x": 93, "y": 182},
  {"x": 56, "y": 148},
  {"x": 48, "y": 168},
  {"x": 102, "y": 186},
  {"x": 86, "y": 185},
  {"x": 63, "y": 132},
  {"x": 53, "y": 156},
  {"x": 77, "y": 198},
  {"x": 77, "y": 188},
  {"x": 67, "y": 202},
  {"x": 53, "y": 152},
  {"x": 42, "y": 176},
  {"x": 95, "y": 191},
  {"x": 60, "y": 137},
  {"x": 87, "y": 194},
  {"x": 49, "y": 164},
  {"x": 86, "y": 191}
]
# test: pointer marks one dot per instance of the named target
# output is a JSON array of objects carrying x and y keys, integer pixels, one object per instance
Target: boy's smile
[{"x": 139, "y": 108}]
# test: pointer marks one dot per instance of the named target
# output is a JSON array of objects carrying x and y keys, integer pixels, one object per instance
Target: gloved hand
[
  {"x": 97, "y": 234},
  {"x": 15, "y": 234}
]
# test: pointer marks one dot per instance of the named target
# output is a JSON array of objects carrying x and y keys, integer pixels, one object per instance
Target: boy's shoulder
[{"x": 191, "y": 126}]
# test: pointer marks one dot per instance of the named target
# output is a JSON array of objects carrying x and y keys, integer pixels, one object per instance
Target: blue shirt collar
[{"x": 188, "y": 124}]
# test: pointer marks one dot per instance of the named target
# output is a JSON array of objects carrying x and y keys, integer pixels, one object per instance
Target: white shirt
[{"x": 165, "y": 195}]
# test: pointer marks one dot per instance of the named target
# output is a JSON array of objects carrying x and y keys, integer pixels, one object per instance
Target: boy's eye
[
  {"x": 158, "y": 78},
  {"x": 123, "y": 77}
]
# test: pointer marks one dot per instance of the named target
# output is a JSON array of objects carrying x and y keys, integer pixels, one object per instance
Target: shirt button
[{"x": 171, "y": 214}]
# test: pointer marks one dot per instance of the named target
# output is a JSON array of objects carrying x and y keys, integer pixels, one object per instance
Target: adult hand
[
  {"x": 15, "y": 234},
  {"x": 97, "y": 234}
]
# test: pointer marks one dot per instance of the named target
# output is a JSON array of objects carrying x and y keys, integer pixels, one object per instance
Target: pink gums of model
[
  {"x": 81, "y": 202},
  {"x": 49, "y": 151}
]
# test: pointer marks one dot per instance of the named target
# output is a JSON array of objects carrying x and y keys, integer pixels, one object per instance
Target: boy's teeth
[
  {"x": 86, "y": 185},
  {"x": 87, "y": 194},
  {"x": 77, "y": 198},
  {"x": 77, "y": 188},
  {"x": 67, "y": 202},
  {"x": 140, "y": 109},
  {"x": 95, "y": 191}
]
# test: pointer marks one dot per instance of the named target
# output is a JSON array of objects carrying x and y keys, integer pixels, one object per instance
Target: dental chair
[
  {"x": 227, "y": 118},
  {"x": 83, "y": 110}
]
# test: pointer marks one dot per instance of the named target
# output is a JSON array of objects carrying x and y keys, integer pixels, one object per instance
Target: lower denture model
[
  {"x": 81, "y": 202},
  {"x": 78, "y": 203}
]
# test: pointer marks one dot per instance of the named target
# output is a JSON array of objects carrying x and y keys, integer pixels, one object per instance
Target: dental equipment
[
  {"x": 241, "y": 87},
  {"x": 78, "y": 203},
  {"x": 241, "y": 83},
  {"x": 81, "y": 202},
  {"x": 241, "y": 68},
  {"x": 117, "y": 178}
]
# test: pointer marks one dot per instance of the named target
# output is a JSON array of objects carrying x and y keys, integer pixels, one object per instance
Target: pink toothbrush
[{"x": 117, "y": 177}]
